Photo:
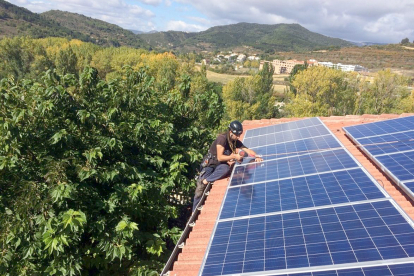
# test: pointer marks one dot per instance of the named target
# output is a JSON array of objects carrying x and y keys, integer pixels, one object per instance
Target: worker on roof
[{"x": 223, "y": 153}]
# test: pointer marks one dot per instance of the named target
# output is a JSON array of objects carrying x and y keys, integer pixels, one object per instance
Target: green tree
[
  {"x": 385, "y": 94},
  {"x": 66, "y": 62},
  {"x": 87, "y": 169},
  {"x": 321, "y": 91},
  {"x": 252, "y": 97},
  {"x": 405, "y": 41},
  {"x": 297, "y": 68}
]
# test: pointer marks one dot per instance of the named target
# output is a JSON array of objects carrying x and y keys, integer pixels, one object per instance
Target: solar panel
[
  {"x": 404, "y": 269},
  {"x": 294, "y": 240},
  {"x": 302, "y": 146},
  {"x": 308, "y": 209},
  {"x": 316, "y": 162},
  {"x": 285, "y": 136},
  {"x": 391, "y": 145},
  {"x": 282, "y": 127},
  {"x": 382, "y": 127},
  {"x": 300, "y": 192}
]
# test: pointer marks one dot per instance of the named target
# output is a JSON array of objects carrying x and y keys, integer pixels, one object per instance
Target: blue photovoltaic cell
[
  {"x": 348, "y": 234},
  {"x": 400, "y": 164},
  {"x": 292, "y": 166},
  {"x": 298, "y": 147},
  {"x": 383, "y": 270},
  {"x": 302, "y": 192},
  {"x": 285, "y": 136},
  {"x": 390, "y": 143},
  {"x": 383, "y": 127},
  {"x": 282, "y": 127},
  {"x": 410, "y": 185}
]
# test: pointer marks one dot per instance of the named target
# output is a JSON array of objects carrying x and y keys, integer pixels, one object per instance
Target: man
[{"x": 223, "y": 153}]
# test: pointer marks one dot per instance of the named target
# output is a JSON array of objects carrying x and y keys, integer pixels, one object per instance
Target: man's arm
[
  {"x": 252, "y": 153},
  {"x": 225, "y": 158}
]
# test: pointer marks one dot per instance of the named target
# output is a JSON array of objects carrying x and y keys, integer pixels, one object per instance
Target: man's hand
[
  {"x": 231, "y": 162},
  {"x": 238, "y": 157},
  {"x": 258, "y": 159}
]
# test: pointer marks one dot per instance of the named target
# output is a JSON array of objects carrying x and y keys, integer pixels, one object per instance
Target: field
[
  {"x": 222, "y": 78},
  {"x": 225, "y": 78}
]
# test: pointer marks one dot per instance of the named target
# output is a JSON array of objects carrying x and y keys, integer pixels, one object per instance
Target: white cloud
[
  {"x": 355, "y": 20},
  {"x": 377, "y": 21},
  {"x": 113, "y": 11},
  {"x": 183, "y": 26},
  {"x": 151, "y": 2}
]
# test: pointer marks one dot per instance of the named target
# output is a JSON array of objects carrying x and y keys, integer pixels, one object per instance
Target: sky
[{"x": 380, "y": 21}]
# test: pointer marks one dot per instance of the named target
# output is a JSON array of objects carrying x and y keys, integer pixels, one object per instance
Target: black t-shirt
[{"x": 222, "y": 140}]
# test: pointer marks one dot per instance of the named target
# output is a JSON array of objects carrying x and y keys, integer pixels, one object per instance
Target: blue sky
[{"x": 382, "y": 21}]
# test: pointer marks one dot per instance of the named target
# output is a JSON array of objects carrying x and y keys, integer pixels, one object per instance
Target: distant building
[
  {"x": 286, "y": 66},
  {"x": 241, "y": 58},
  {"x": 344, "y": 67},
  {"x": 253, "y": 58}
]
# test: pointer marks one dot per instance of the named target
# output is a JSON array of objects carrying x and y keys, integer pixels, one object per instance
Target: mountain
[
  {"x": 260, "y": 37},
  {"x": 279, "y": 37},
  {"x": 171, "y": 40},
  {"x": 15, "y": 20},
  {"x": 141, "y": 32},
  {"x": 101, "y": 32}
]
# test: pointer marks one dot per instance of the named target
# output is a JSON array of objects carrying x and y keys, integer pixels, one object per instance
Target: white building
[
  {"x": 253, "y": 58},
  {"x": 241, "y": 58},
  {"x": 344, "y": 67}
]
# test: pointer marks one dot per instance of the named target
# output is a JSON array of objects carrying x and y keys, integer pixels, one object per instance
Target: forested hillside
[
  {"x": 261, "y": 37},
  {"x": 280, "y": 37},
  {"x": 20, "y": 21},
  {"x": 100, "y": 32}
]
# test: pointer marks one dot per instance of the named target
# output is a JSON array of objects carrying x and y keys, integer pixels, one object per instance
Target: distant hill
[
  {"x": 171, "y": 40},
  {"x": 15, "y": 20},
  {"x": 266, "y": 38},
  {"x": 279, "y": 37},
  {"x": 100, "y": 32}
]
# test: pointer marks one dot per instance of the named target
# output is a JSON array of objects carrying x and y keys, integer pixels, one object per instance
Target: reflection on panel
[
  {"x": 282, "y": 127},
  {"x": 293, "y": 166}
]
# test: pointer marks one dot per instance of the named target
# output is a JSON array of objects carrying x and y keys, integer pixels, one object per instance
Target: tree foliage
[
  {"x": 386, "y": 94},
  {"x": 252, "y": 97},
  {"x": 323, "y": 91},
  {"x": 87, "y": 167}
]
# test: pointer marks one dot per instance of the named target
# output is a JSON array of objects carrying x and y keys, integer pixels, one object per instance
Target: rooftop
[{"x": 191, "y": 257}]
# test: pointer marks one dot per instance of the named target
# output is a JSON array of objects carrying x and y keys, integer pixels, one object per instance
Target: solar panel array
[
  {"x": 390, "y": 144},
  {"x": 308, "y": 209}
]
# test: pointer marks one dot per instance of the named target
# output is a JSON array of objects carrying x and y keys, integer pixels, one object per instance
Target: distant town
[{"x": 281, "y": 66}]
